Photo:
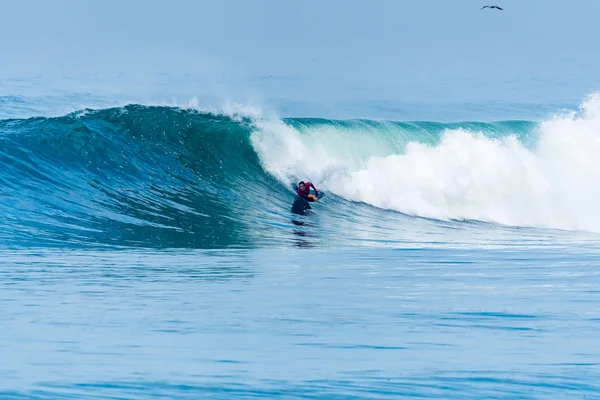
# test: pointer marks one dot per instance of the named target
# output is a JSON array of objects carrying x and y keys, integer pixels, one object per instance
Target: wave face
[
  {"x": 148, "y": 176},
  {"x": 166, "y": 177}
]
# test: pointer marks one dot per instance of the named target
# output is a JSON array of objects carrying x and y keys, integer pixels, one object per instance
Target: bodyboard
[{"x": 314, "y": 197}]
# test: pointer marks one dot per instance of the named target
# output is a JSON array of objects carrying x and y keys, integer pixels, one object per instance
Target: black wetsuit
[{"x": 300, "y": 205}]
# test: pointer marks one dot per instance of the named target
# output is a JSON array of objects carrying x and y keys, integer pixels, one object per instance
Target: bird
[{"x": 492, "y": 7}]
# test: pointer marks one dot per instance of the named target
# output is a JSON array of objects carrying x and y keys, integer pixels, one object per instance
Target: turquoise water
[{"x": 149, "y": 250}]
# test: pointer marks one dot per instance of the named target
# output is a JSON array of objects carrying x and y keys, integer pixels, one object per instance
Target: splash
[{"x": 511, "y": 173}]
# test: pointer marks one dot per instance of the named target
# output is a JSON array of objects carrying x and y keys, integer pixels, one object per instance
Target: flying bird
[{"x": 491, "y": 7}]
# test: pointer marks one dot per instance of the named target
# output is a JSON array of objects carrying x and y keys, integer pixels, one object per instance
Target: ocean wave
[
  {"x": 135, "y": 175},
  {"x": 162, "y": 176}
]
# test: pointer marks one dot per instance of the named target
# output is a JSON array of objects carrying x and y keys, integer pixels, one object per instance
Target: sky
[{"x": 534, "y": 51}]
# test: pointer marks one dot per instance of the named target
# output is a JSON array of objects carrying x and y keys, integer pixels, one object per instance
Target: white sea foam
[{"x": 466, "y": 175}]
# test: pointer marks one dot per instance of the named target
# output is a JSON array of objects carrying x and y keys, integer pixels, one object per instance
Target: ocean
[{"x": 149, "y": 250}]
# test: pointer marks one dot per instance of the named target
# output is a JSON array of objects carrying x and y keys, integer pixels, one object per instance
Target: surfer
[
  {"x": 303, "y": 191},
  {"x": 304, "y": 196}
]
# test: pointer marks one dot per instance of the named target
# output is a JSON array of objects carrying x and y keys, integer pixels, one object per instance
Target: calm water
[{"x": 425, "y": 323}]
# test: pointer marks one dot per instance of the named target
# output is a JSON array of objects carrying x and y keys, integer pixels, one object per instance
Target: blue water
[
  {"x": 148, "y": 249},
  {"x": 425, "y": 323}
]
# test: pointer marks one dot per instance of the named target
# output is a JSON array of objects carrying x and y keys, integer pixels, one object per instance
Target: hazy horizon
[{"x": 324, "y": 53}]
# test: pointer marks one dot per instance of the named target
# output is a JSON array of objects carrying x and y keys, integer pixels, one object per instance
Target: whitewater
[{"x": 512, "y": 173}]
